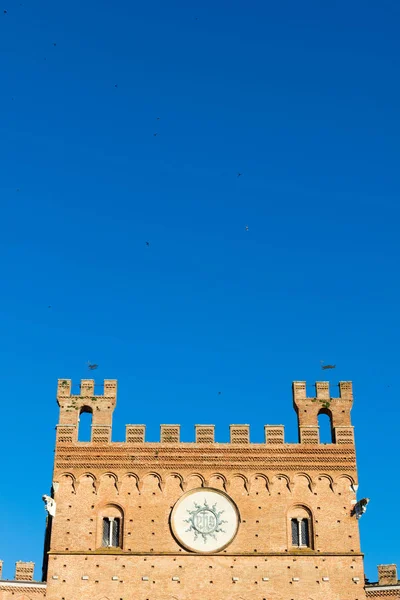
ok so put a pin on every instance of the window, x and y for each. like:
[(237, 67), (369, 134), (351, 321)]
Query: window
[(111, 532), (110, 527), (325, 427), (300, 528), (300, 533), (85, 424)]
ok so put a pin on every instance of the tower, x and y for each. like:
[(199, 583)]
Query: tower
[(177, 520)]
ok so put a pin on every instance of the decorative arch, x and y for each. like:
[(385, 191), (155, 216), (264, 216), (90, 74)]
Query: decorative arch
[(298, 477), (217, 481), (259, 483), (344, 484), (67, 477), (192, 481), (277, 483), (82, 479), (110, 511), (130, 479), (174, 480), (106, 504), (104, 479), (300, 527), (324, 477), (238, 483), (349, 478), (151, 482)]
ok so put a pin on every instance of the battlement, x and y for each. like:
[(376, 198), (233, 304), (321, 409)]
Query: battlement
[(338, 410), (23, 571), (101, 406), (86, 392), (322, 389)]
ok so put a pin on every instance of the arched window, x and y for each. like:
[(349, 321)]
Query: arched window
[(300, 528), (110, 527), (111, 532), (325, 427), (85, 424), (301, 533)]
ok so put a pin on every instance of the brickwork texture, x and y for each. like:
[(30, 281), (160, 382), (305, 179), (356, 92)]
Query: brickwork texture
[(139, 483)]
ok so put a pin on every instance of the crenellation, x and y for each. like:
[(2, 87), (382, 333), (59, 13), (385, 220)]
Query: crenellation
[(101, 406), (274, 434), (135, 434), (101, 434), (322, 390), (87, 388), (308, 409), (346, 390), (239, 434), (66, 434), (344, 435), (170, 434), (64, 388), (387, 574), (204, 434), (309, 435), (299, 390), (146, 519), (110, 388), (24, 571)]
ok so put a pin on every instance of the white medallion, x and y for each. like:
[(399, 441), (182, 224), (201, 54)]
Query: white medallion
[(205, 520)]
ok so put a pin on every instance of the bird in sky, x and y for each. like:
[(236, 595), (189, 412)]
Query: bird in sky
[(247, 228), (116, 85), (158, 118), (49, 307), (239, 174), (324, 367), (147, 243), (91, 366), (155, 134), (219, 393), (5, 12), (54, 44)]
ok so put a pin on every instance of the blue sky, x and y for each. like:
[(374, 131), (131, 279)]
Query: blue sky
[(301, 99)]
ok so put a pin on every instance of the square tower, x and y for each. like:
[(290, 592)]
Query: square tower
[(173, 520)]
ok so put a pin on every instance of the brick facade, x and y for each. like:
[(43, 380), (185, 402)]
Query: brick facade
[(387, 586), (137, 483)]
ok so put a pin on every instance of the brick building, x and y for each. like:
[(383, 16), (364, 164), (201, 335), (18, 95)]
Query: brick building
[(387, 586), (173, 521)]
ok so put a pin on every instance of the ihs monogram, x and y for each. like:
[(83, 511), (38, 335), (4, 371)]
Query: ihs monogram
[(205, 521)]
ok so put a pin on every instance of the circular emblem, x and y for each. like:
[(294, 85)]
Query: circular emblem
[(205, 520)]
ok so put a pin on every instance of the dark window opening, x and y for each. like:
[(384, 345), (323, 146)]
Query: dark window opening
[(111, 532), (301, 533)]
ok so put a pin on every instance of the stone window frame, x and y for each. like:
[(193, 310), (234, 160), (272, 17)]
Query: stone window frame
[(300, 512), (110, 511)]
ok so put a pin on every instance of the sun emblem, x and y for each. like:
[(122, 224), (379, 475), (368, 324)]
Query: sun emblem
[(205, 521)]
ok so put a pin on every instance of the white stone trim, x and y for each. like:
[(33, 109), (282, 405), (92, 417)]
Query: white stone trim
[(27, 584), (383, 588)]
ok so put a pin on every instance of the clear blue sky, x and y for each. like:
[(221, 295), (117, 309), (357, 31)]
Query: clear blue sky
[(302, 99)]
